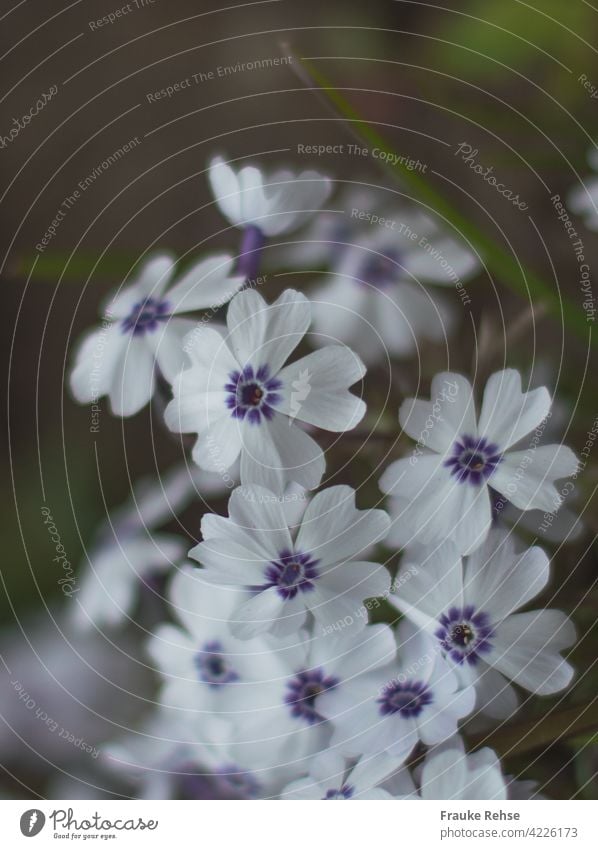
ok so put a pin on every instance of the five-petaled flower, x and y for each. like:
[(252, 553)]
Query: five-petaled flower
[(442, 492), (238, 394), (315, 570), (143, 326), (468, 606)]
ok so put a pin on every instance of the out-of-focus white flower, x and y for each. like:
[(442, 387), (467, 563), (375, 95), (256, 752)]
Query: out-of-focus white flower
[(332, 776), (449, 773), (274, 203), (469, 607), (317, 570), (583, 199), (196, 760), (142, 326), (391, 709), (442, 491), (204, 667), (129, 554), (375, 297), (241, 399)]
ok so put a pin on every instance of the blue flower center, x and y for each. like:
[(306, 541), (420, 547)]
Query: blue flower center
[(252, 394), (344, 792), (406, 698), (213, 665), (293, 572), (145, 316), (304, 689), (473, 460), (465, 634)]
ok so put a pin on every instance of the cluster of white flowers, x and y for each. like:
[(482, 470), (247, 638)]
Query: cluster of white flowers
[(274, 683)]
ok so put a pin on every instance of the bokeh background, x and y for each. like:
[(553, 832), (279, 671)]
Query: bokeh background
[(500, 75)]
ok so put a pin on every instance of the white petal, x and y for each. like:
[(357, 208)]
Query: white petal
[(333, 530), (259, 512), (315, 389), (413, 475), (257, 615), (98, 356), (199, 604), (494, 695), (171, 650), (247, 319), (288, 319), (167, 345), (340, 592), (277, 452), (209, 283), (526, 477), (207, 348), (226, 561), (442, 507), (225, 187), (150, 282), (451, 408), (429, 585), (443, 261), (508, 414), (498, 581), (526, 649), (219, 445), (338, 307), (133, 383)]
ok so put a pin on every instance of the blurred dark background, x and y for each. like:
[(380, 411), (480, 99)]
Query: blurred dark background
[(499, 75)]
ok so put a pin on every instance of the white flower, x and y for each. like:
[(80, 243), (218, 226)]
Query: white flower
[(584, 199), (316, 570), (469, 607), (193, 760), (449, 773), (128, 554), (374, 297), (443, 489), (142, 326), (238, 394), (391, 709), (332, 776), (275, 203), (267, 687)]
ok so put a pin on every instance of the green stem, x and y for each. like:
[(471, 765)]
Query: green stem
[(519, 737)]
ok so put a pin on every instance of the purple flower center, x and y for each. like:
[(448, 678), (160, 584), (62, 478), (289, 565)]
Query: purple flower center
[(291, 573), (344, 792), (473, 460), (407, 698), (465, 634), (252, 394), (304, 689), (145, 316), (380, 270), (213, 666)]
